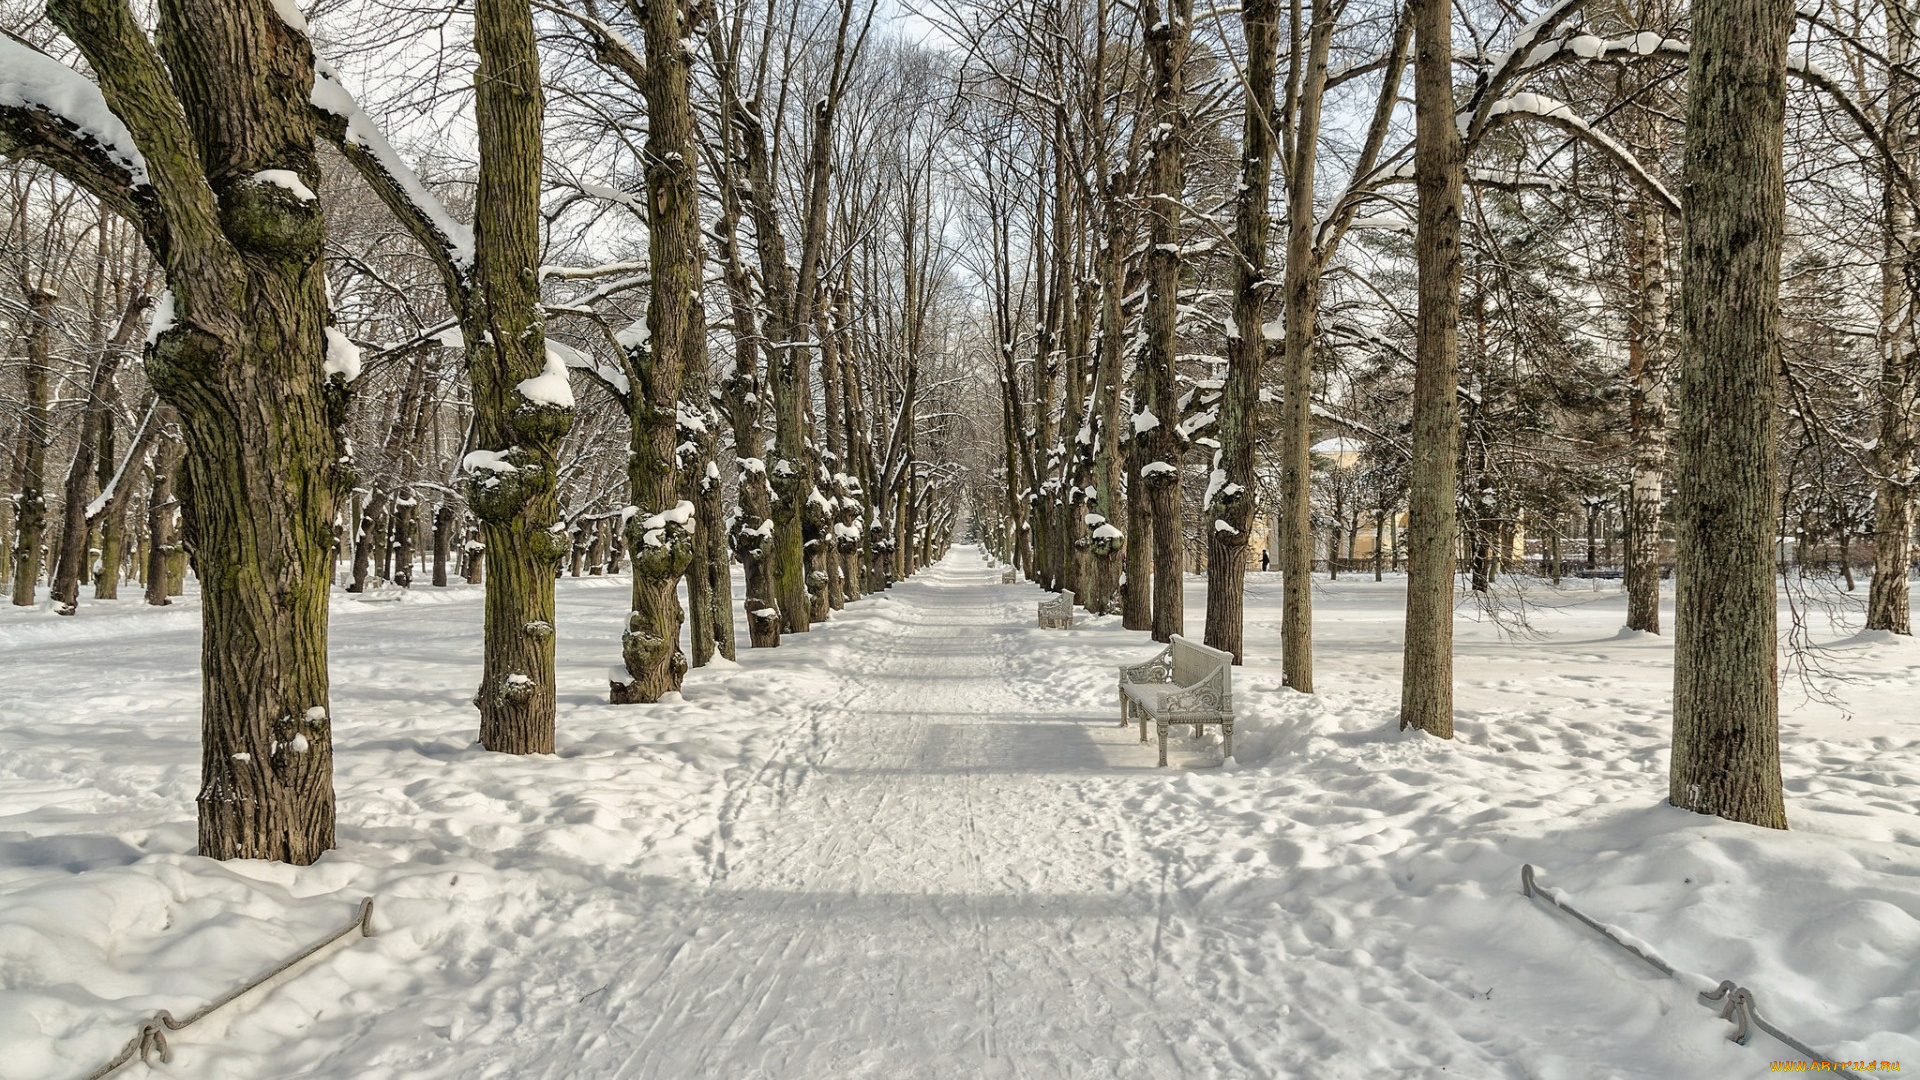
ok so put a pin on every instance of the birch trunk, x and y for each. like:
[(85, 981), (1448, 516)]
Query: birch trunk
[(1896, 471), (1648, 360)]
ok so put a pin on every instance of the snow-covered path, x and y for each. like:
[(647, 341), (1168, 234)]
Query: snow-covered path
[(915, 843), (980, 874), (946, 896)]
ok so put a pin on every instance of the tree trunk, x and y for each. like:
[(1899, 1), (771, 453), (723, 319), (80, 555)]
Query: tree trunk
[(475, 549), (1426, 686), (709, 582), (161, 507), (1379, 534), (1648, 358), (1896, 471), (30, 505), (1726, 746), (1105, 538), (444, 517), (71, 569), (404, 506), (752, 534), (1229, 513), (521, 404), (116, 496), (372, 538), (1303, 307), (1166, 47)]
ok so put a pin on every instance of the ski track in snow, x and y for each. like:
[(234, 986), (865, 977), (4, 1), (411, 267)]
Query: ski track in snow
[(915, 843)]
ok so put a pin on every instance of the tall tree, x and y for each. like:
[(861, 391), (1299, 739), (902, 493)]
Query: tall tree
[(203, 138), (1426, 677), (1897, 474), (660, 535), (1230, 503), (521, 401), (1306, 94), (75, 521), (1167, 35), (1726, 742)]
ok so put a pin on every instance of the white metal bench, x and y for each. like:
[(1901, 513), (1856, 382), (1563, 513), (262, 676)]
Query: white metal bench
[(1188, 683), (1006, 576), (1057, 613)]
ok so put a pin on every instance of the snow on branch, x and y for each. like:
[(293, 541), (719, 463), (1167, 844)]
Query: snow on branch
[(49, 110), (1519, 56), (396, 183), (610, 47), (607, 375), (582, 273), (141, 438), (1559, 114), (550, 388)]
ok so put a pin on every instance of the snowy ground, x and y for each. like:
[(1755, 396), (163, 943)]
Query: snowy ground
[(914, 844)]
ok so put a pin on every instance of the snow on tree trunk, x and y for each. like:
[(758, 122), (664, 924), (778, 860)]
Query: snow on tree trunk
[(521, 403), (1159, 477), (1229, 511), (660, 534), (444, 517), (179, 137)]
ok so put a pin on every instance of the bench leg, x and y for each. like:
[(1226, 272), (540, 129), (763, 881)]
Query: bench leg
[(1199, 731), (1124, 711), (1163, 744), (1226, 747), (1142, 714)]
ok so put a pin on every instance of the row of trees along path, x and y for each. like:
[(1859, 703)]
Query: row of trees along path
[(1115, 167)]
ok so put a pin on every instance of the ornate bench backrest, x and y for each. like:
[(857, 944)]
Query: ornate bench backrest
[(1194, 663)]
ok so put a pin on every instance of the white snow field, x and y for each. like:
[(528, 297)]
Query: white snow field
[(915, 843)]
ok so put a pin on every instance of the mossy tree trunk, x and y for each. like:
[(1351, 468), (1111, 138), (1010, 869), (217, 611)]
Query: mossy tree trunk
[(220, 96), (1726, 739), (661, 533), (502, 322)]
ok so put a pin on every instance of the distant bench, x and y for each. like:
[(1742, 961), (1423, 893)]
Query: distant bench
[(1006, 576), (1057, 613), (1188, 683)]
